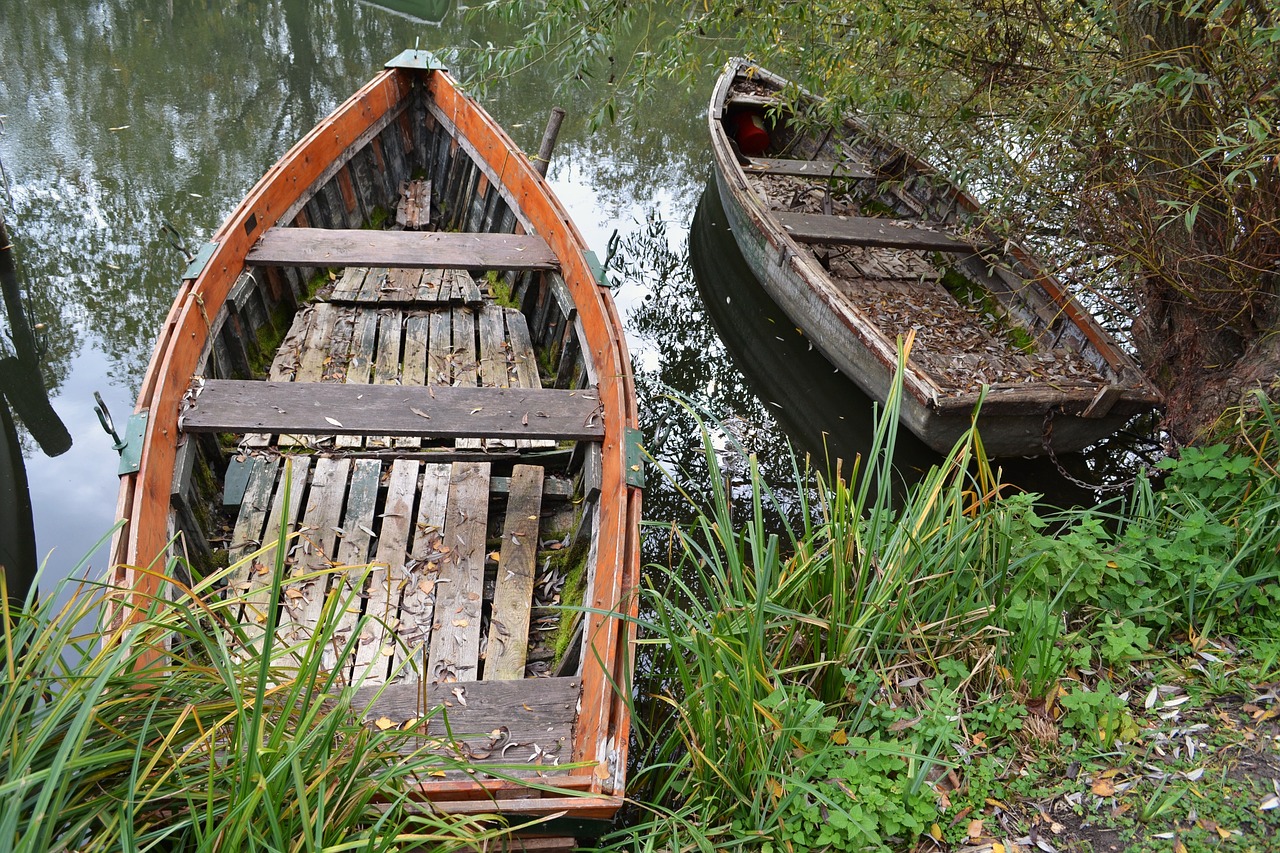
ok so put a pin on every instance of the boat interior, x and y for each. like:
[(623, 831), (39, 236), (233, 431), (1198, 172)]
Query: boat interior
[(430, 432)]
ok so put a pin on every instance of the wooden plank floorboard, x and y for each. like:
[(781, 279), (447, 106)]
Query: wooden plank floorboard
[(342, 247), (867, 231), (416, 328), (317, 554), (805, 168), (318, 408), (353, 552), (517, 564), (388, 578), (348, 286), (530, 712), (455, 630), (290, 487), (417, 605)]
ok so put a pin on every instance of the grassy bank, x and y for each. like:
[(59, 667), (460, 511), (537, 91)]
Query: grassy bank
[(968, 670)]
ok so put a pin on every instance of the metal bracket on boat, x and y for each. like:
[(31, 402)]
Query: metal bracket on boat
[(635, 457), (597, 268), (200, 261), (424, 60), (129, 447)]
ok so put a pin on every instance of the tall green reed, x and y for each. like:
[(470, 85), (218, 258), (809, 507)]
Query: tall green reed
[(764, 629)]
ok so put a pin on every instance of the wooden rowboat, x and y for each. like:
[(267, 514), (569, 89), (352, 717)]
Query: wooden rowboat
[(861, 242), (428, 390)]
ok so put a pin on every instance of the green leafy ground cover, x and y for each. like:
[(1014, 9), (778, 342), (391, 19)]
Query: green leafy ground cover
[(968, 670)]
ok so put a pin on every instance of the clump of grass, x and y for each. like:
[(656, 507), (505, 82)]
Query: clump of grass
[(173, 732)]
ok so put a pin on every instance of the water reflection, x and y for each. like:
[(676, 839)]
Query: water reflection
[(22, 395), (422, 11)]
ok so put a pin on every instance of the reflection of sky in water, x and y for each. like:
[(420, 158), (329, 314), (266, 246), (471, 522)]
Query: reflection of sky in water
[(74, 494)]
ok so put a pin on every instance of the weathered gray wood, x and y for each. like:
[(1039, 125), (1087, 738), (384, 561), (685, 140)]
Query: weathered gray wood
[(526, 362), (348, 286), (364, 341), (386, 368), (867, 231), (455, 630), (493, 354), (343, 247), (439, 355), (328, 408), (283, 516), (317, 554), (468, 290), (418, 602), (247, 535), (388, 578), (466, 364), (374, 283), (513, 596), (429, 289), (530, 711), (805, 168), (315, 349), (414, 209), (415, 362), (353, 551)]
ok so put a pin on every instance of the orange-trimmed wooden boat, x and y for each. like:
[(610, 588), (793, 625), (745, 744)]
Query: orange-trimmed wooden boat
[(403, 316), (861, 242)]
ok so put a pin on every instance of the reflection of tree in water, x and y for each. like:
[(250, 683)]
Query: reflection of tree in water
[(684, 357), (121, 114)]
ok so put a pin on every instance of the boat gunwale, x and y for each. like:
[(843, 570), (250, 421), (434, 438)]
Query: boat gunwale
[(1136, 390), (141, 545)]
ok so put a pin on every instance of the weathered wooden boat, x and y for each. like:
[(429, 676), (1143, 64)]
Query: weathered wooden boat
[(860, 242), (457, 411)]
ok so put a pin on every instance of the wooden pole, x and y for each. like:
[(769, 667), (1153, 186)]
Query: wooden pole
[(543, 160)]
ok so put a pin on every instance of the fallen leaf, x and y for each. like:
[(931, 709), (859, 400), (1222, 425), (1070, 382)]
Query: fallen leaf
[(1104, 788), (420, 413), (839, 737), (333, 421), (975, 829), (461, 623), (383, 723)]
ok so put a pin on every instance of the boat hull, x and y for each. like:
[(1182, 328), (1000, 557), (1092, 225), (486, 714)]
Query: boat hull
[(292, 290), (1013, 420)]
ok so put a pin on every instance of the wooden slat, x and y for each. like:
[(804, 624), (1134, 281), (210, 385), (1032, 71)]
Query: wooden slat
[(386, 367), (364, 341), (533, 711), (388, 577), (311, 408), (348, 286), (455, 629), (466, 361), (866, 231), (317, 553), (415, 362), (353, 551), (429, 289), (805, 168), (418, 602), (439, 355), (247, 535), (513, 596), (374, 284), (283, 515), (343, 247)]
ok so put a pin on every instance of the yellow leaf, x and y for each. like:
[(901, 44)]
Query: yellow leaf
[(383, 723), (461, 623), (775, 788), (936, 832), (495, 556), (839, 738), (1104, 788), (1179, 847), (997, 847), (602, 771)]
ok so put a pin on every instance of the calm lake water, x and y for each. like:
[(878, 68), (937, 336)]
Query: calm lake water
[(122, 116)]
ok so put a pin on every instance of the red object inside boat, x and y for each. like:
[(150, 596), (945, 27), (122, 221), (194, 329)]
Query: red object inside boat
[(748, 129)]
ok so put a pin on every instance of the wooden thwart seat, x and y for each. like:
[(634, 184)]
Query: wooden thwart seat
[(329, 408), (867, 231), (343, 247), (805, 168)]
